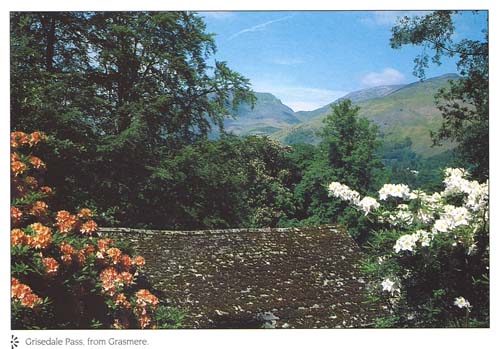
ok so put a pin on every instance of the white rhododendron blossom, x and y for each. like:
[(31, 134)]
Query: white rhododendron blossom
[(395, 190), (406, 242), (461, 302), (423, 237), (343, 192), (368, 204), (389, 286)]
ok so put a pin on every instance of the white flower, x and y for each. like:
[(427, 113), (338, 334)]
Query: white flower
[(422, 236), (441, 225), (389, 286), (405, 243), (461, 302), (368, 204), (343, 192), (395, 190)]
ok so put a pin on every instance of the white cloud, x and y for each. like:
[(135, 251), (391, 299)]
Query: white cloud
[(388, 76), (300, 98), (388, 18), (258, 27)]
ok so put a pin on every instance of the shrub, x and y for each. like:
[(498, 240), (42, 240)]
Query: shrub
[(64, 275), (428, 253)]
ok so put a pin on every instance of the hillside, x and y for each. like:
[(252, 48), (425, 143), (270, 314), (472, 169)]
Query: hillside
[(268, 115), (406, 111)]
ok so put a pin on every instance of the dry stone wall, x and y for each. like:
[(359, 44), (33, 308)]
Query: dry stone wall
[(251, 278)]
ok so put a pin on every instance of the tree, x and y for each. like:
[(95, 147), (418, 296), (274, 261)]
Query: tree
[(346, 154), (115, 92), (464, 105)]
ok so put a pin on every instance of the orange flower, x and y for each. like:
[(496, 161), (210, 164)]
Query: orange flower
[(39, 209), (109, 278), (51, 265), (89, 249), (14, 157), (66, 259), (36, 162), (80, 257), (103, 244), (144, 297), (65, 221), (121, 299), (16, 215), (31, 182), (115, 254), (14, 281), (18, 139), (31, 300), (36, 137), (46, 190), (144, 321), (43, 236), (17, 167), (126, 277), (66, 248), (126, 261), (139, 261), (85, 213), (89, 227), (23, 293), (17, 237)]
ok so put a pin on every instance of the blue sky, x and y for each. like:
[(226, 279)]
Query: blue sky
[(308, 59)]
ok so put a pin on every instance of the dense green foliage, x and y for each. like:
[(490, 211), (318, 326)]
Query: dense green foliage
[(465, 104)]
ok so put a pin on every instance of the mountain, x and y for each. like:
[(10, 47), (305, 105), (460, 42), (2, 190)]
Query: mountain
[(356, 96), (268, 116), (399, 111)]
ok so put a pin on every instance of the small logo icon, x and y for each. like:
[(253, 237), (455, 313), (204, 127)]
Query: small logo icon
[(14, 342)]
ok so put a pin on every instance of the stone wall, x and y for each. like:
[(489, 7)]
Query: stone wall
[(251, 278)]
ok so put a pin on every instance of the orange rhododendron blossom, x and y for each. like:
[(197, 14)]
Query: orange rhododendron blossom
[(66, 248), (36, 137), (66, 259), (144, 321), (31, 300), (126, 261), (115, 254), (144, 297), (36, 162), (65, 221), (17, 237), (103, 244), (51, 265), (31, 182), (16, 215), (24, 294), (14, 157), (89, 249), (39, 209), (121, 299), (109, 279), (43, 236), (46, 190), (17, 167), (80, 257), (18, 139), (85, 213), (126, 277), (88, 227), (139, 261)]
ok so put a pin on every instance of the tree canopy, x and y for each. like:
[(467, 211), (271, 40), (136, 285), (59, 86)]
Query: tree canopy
[(465, 104)]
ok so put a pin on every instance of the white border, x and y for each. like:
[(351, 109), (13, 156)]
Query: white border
[(258, 338)]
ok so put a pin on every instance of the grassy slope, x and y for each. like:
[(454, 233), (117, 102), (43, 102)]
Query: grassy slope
[(407, 112)]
